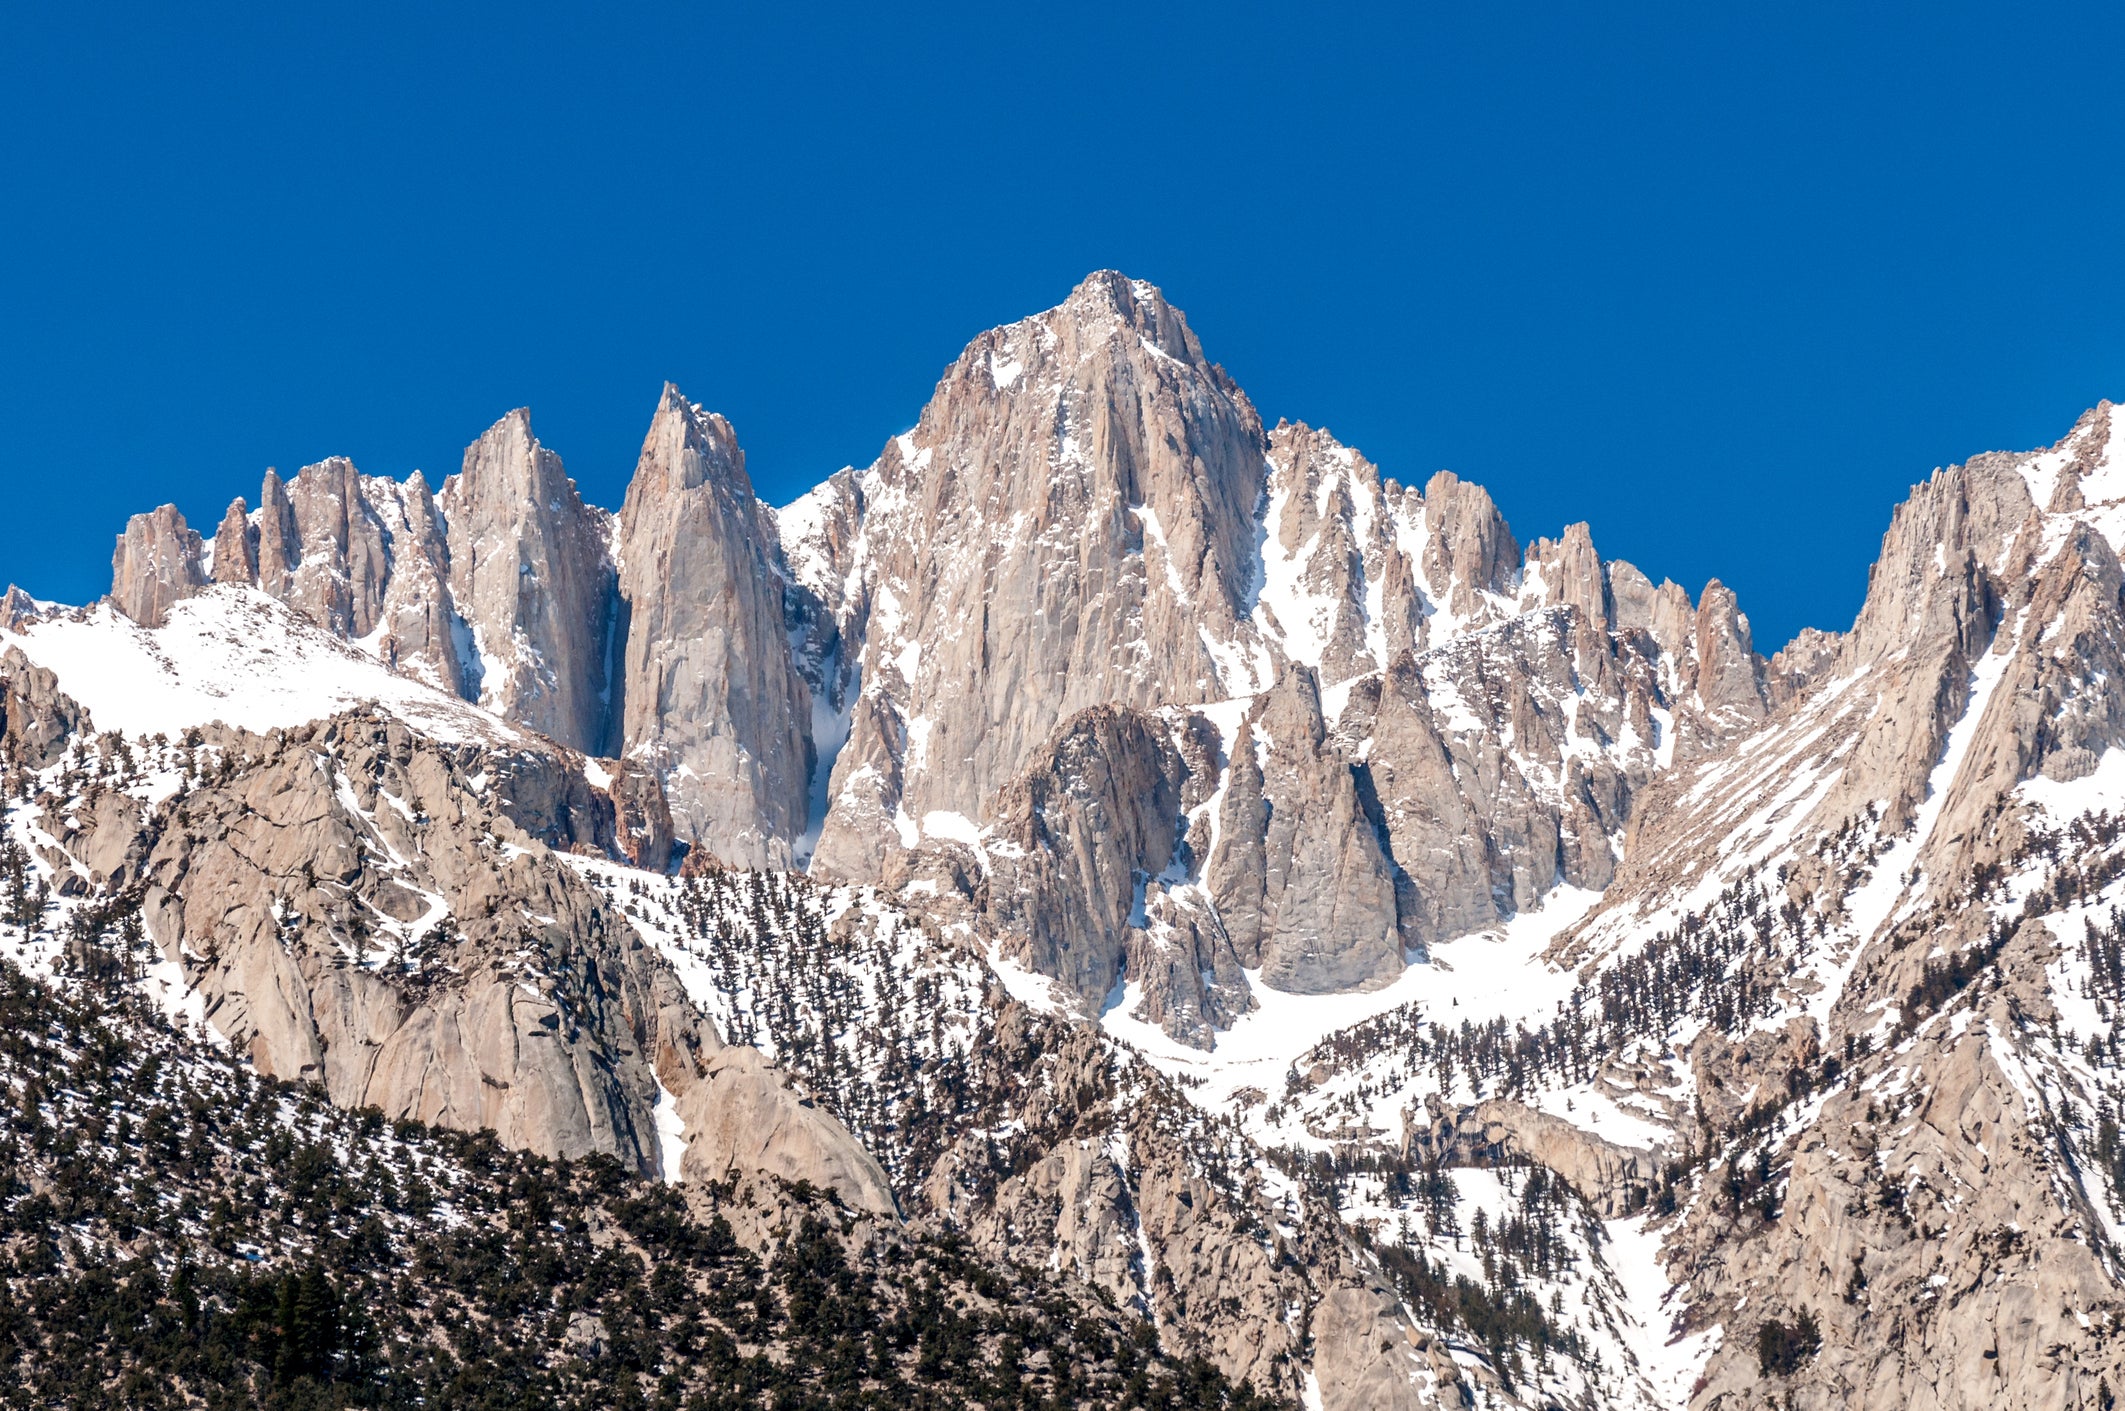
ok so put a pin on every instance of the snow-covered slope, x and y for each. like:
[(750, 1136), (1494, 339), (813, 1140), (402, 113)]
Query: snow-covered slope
[(236, 656)]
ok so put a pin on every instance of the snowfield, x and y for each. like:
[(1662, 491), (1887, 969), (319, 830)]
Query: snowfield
[(236, 656)]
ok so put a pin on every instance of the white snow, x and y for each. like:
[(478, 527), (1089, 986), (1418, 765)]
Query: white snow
[(1155, 533), (952, 827), (1028, 987), (1476, 978), (1299, 616), (1670, 1362), (2064, 800), (234, 655), (671, 1134)]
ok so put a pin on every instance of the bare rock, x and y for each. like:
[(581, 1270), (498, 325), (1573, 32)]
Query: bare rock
[(157, 562), (531, 577), (1367, 1358), (1613, 1178), (236, 546), (354, 912), (713, 700), (1078, 836), (36, 718), (1073, 512), (1300, 875), (743, 1119)]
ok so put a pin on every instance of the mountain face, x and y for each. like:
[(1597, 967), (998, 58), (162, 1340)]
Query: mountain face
[(1362, 959)]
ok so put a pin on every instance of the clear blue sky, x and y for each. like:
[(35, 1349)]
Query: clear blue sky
[(1723, 280)]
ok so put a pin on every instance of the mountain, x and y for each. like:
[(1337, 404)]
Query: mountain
[(1341, 955)]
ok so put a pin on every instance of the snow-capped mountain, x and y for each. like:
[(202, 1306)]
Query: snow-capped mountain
[(1398, 966)]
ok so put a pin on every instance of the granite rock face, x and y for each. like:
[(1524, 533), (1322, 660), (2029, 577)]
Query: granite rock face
[(36, 717), (236, 546), (532, 577), (1071, 516), (1090, 512), (158, 561), (714, 702), (1109, 704), (1939, 1008), (741, 1116), (1078, 838), (1299, 875), (353, 912), (507, 590)]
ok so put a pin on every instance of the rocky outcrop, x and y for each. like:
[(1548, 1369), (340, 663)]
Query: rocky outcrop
[(1469, 554), (1077, 839), (157, 562), (713, 700), (1368, 1358), (1615, 1179), (1191, 982), (821, 541), (17, 609), (36, 718), (1729, 675), (236, 546), (1300, 878), (1447, 873), (362, 557), (419, 630), (342, 559), (642, 826), (354, 912), (741, 1117), (279, 540), (1095, 1177), (1312, 524), (1927, 1228)]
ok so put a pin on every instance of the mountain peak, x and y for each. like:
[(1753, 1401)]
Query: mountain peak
[(1110, 297)]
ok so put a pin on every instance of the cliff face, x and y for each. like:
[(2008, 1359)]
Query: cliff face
[(1089, 513), (507, 590), (157, 562), (532, 577), (1408, 723), (714, 701)]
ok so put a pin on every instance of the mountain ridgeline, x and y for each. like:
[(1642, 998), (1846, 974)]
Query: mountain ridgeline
[(1114, 903), (1089, 517)]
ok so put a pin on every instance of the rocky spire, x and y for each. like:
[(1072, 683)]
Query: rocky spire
[(530, 574), (1299, 876), (338, 575), (157, 562), (279, 544), (713, 700), (1729, 673), (1315, 526), (418, 615), (236, 546), (1571, 574), (1469, 550)]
